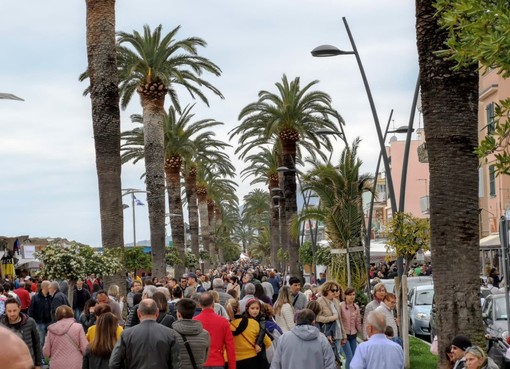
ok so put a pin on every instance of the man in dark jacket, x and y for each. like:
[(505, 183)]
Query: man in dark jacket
[(193, 338), (148, 345), (80, 297), (24, 327), (57, 299), (40, 310)]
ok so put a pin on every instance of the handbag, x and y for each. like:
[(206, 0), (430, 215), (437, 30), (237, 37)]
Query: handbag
[(433, 347)]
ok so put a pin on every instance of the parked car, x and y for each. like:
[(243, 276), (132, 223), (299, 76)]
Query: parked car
[(420, 303), (495, 321)]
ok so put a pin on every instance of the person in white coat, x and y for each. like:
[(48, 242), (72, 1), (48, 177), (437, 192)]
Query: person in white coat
[(283, 311)]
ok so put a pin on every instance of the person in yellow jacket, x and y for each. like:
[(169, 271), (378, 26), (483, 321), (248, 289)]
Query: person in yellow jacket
[(245, 331)]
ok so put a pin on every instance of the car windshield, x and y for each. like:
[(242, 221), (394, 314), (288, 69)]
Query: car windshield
[(424, 297), (500, 309)]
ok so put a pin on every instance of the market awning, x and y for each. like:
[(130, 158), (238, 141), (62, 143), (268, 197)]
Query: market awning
[(490, 242), (28, 263)]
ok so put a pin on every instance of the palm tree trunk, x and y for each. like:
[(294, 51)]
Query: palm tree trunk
[(212, 232), (450, 112), (104, 94), (190, 182), (219, 222), (204, 222), (290, 190), (274, 226), (153, 116), (176, 216)]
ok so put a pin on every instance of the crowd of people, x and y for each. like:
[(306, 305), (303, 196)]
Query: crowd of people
[(239, 316)]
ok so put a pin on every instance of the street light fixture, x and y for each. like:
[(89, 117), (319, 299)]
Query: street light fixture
[(132, 191), (329, 50)]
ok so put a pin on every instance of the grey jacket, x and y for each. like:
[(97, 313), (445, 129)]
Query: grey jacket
[(149, 345), (27, 330), (198, 339), (303, 347)]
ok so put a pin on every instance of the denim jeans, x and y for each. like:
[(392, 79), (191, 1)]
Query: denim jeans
[(349, 349), (42, 329), (77, 313)]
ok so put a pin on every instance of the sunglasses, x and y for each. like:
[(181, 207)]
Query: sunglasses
[(334, 290)]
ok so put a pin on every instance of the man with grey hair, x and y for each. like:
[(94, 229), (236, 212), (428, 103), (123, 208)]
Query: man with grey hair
[(219, 286), (57, 299), (147, 293), (378, 352), (149, 345), (249, 290), (303, 346)]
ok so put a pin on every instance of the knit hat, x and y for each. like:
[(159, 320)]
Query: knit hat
[(461, 342)]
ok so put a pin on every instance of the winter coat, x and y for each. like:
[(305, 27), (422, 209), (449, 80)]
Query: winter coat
[(490, 364), (326, 314), (65, 344), (94, 362), (146, 340), (303, 347), (40, 308), (27, 330), (285, 318), (166, 319), (57, 300), (198, 339), (87, 321)]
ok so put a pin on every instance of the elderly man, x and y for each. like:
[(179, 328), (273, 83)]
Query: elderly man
[(219, 286), (57, 299), (132, 319), (149, 345), (378, 352), (23, 326), (303, 346), (249, 290), (13, 351)]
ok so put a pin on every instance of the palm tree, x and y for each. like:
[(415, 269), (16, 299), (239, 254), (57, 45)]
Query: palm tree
[(209, 153), (104, 94), (340, 189), (256, 208), (180, 146), (152, 66), (450, 113), (291, 116), (263, 167)]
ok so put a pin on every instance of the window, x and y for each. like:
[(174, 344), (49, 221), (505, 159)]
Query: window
[(492, 180), (491, 122)]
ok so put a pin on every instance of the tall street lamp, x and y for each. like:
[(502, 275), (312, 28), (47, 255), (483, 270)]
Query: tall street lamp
[(329, 50), (134, 201)]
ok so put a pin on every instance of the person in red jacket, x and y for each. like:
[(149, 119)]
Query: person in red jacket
[(24, 297), (220, 334)]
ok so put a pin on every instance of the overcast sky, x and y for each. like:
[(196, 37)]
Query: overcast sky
[(49, 182)]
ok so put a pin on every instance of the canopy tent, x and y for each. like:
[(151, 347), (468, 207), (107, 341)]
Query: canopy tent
[(490, 242)]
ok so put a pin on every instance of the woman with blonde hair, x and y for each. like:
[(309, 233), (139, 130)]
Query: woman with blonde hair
[(65, 342), (114, 292), (98, 353), (476, 358), (283, 310), (330, 315)]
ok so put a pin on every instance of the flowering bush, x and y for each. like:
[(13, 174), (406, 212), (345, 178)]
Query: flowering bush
[(73, 262)]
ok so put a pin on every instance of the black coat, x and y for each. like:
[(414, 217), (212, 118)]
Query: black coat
[(94, 362), (27, 330), (40, 308), (57, 300)]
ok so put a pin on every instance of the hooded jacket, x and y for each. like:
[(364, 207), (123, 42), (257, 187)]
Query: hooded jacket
[(198, 339), (27, 330), (303, 347), (65, 344)]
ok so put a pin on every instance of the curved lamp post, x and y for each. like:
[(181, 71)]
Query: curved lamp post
[(6, 96), (329, 50)]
